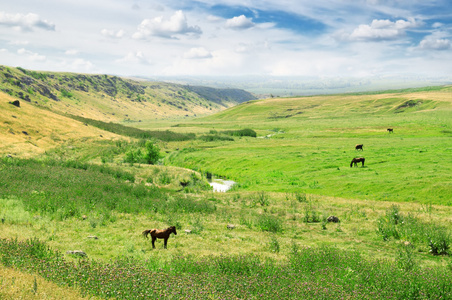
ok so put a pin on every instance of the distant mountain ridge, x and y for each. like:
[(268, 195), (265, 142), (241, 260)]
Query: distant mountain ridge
[(113, 98)]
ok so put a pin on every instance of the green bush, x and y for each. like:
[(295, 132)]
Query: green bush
[(151, 153), (439, 241), (215, 137), (241, 132), (269, 223), (65, 93)]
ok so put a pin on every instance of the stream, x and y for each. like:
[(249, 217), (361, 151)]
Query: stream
[(221, 185)]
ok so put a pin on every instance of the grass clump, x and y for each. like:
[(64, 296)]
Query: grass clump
[(267, 222), (434, 237)]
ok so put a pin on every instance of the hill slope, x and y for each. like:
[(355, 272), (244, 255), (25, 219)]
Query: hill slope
[(112, 98), (28, 130)]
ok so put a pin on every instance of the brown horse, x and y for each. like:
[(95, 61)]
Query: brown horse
[(359, 146), (161, 234), (390, 130), (356, 161)]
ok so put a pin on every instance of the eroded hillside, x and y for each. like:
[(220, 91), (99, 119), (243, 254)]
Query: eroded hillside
[(115, 99)]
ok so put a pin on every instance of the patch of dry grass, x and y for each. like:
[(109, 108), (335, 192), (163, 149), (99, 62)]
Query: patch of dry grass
[(19, 285), (27, 130)]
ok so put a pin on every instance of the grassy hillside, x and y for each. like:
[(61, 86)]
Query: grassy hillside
[(28, 130), (111, 98), (307, 144)]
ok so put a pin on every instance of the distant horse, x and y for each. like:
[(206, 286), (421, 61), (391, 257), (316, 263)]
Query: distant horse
[(390, 130), (356, 161), (359, 146), (161, 234)]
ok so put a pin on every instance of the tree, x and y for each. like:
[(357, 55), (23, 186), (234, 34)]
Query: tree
[(152, 153)]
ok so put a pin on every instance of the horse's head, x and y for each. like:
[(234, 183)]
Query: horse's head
[(173, 230)]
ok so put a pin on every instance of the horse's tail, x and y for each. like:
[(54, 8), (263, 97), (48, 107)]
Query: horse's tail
[(146, 232)]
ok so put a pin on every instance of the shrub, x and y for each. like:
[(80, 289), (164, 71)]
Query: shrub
[(65, 93), (215, 137), (387, 229), (152, 153), (439, 241), (241, 132), (301, 197), (311, 215), (269, 223), (262, 198)]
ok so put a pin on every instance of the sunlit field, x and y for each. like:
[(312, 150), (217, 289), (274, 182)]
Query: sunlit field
[(271, 235)]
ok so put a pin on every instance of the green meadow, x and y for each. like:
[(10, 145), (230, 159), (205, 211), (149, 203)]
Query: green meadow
[(393, 239), (307, 144)]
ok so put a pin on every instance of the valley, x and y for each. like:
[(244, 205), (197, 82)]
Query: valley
[(77, 162)]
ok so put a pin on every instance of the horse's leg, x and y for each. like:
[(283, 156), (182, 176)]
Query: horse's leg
[(165, 241), (153, 242)]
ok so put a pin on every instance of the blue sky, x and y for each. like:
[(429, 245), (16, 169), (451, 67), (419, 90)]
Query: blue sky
[(326, 38)]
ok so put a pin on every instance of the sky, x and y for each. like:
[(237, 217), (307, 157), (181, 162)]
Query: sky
[(324, 38)]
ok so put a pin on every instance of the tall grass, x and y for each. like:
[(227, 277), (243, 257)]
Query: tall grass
[(72, 189), (310, 273), (436, 237)]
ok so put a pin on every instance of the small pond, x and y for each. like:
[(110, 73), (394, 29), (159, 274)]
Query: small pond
[(221, 185)]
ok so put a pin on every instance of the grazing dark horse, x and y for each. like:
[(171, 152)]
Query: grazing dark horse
[(359, 146), (161, 234), (390, 130), (356, 161)]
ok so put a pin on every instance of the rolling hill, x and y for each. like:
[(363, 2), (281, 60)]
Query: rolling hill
[(115, 99)]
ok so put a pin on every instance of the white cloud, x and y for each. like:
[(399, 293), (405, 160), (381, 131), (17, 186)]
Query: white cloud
[(25, 22), (112, 33), (135, 58), (71, 52), (383, 30), (31, 55), (176, 25), (81, 64), (212, 18), (435, 44), (198, 53), (222, 62), (19, 43), (437, 25), (240, 23)]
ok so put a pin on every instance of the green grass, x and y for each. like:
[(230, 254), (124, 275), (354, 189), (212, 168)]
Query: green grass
[(309, 273), (279, 244), (72, 189), (393, 240), (310, 142)]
